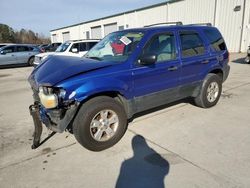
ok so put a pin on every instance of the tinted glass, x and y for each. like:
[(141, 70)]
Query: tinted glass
[(91, 44), (10, 49), (215, 39), (191, 43), (82, 47), (22, 48), (163, 46)]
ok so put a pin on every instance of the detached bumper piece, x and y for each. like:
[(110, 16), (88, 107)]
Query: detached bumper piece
[(34, 112)]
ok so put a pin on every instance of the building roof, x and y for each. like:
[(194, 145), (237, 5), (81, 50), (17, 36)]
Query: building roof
[(127, 12)]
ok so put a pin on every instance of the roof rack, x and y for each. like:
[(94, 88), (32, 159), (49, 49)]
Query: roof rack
[(207, 24), (165, 23)]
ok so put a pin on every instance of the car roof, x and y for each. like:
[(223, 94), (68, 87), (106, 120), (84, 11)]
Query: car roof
[(28, 45)]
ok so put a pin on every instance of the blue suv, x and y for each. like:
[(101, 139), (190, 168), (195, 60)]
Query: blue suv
[(93, 97)]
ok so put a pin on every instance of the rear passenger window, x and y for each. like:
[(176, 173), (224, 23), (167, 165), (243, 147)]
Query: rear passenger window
[(83, 47), (91, 44), (163, 46), (215, 39), (191, 44), (22, 48)]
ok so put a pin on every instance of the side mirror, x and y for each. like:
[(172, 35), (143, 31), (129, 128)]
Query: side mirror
[(2, 52), (74, 50), (147, 59)]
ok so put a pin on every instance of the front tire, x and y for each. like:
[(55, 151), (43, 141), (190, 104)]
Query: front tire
[(210, 91), (100, 123)]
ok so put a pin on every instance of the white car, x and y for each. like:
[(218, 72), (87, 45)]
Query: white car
[(70, 48)]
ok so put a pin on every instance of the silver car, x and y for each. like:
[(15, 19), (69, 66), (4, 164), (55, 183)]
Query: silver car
[(18, 54)]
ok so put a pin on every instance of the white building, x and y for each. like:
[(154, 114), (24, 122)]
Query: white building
[(232, 17)]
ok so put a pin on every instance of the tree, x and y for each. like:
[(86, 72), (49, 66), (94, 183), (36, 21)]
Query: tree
[(6, 33)]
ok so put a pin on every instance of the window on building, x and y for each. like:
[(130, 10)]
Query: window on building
[(163, 46), (191, 44), (120, 28), (87, 35)]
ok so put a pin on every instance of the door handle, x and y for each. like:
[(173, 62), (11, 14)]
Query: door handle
[(205, 62), (172, 68)]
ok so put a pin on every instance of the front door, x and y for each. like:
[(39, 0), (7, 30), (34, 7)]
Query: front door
[(8, 56), (157, 84)]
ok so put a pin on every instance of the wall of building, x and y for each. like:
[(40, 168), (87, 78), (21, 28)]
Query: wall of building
[(234, 24)]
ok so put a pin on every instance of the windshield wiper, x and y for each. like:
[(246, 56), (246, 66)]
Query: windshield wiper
[(94, 57)]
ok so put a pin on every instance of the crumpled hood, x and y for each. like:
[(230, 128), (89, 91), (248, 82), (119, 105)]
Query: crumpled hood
[(58, 68)]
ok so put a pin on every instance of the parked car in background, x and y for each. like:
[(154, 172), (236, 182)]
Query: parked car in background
[(52, 47), (93, 97), (247, 60), (70, 48), (18, 54), (43, 46)]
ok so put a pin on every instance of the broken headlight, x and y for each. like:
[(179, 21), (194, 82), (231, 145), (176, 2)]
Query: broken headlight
[(49, 96)]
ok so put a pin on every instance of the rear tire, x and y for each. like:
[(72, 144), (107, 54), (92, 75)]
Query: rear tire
[(210, 91), (100, 123), (31, 61)]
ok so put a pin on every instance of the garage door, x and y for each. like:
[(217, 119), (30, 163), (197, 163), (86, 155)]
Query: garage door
[(109, 28), (66, 36), (96, 32)]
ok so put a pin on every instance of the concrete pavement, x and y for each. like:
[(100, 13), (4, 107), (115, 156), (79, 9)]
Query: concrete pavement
[(180, 145)]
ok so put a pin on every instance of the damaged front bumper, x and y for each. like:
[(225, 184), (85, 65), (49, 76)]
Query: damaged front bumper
[(56, 120)]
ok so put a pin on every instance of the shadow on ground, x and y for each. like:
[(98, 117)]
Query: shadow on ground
[(145, 169), (239, 61)]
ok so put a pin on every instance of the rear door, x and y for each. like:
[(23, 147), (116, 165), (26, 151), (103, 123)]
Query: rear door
[(157, 84), (22, 54), (194, 57), (8, 56)]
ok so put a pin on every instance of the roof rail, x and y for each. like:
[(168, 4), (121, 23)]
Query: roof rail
[(207, 24), (82, 39), (165, 23)]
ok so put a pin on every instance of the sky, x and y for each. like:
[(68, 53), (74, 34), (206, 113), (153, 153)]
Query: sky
[(41, 16)]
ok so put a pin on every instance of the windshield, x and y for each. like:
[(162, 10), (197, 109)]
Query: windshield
[(116, 46), (63, 47)]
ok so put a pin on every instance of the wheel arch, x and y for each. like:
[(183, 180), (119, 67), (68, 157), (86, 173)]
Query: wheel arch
[(117, 95), (218, 72)]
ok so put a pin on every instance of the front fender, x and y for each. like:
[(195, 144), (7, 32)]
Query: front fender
[(100, 85)]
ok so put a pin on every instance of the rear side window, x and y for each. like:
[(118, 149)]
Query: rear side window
[(83, 47), (91, 44), (22, 48), (191, 44), (215, 39)]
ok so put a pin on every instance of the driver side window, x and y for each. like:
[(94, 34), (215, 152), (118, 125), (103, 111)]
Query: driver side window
[(163, 46)]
